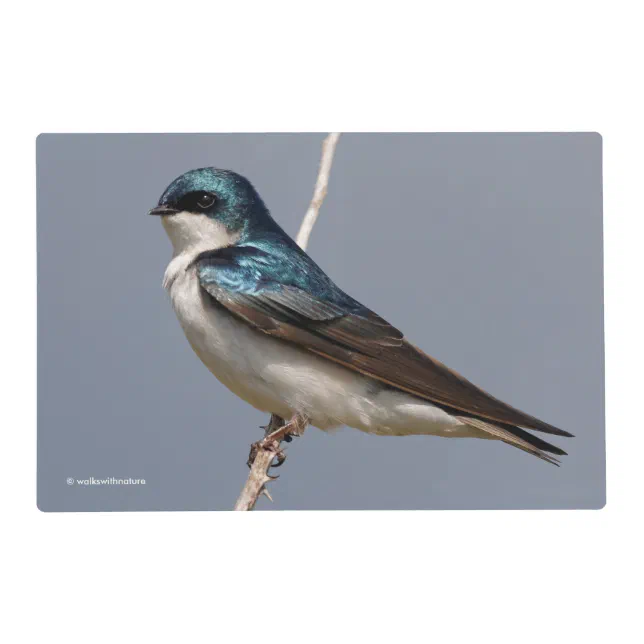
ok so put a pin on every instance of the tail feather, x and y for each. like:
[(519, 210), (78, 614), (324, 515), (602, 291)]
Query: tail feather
[(517, 437), (536, 441)]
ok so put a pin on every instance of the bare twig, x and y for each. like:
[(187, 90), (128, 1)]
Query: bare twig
[(262, 454), (258, 476), (328, 150), (265, 451)]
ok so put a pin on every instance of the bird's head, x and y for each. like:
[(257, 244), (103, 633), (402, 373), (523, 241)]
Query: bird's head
[(210, 208)]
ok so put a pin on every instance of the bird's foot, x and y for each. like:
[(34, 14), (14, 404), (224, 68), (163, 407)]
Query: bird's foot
[(279, 454), (275, 432), (280, 457)]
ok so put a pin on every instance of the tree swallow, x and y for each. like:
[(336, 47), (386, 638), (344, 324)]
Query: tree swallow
[(272, 327)]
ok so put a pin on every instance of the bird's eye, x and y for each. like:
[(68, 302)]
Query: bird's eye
[(205, 200)]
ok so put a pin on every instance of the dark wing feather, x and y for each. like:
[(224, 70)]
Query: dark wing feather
[(366, 343)]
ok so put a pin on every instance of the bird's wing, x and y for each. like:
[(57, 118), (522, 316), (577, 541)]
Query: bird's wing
[(340, 329)]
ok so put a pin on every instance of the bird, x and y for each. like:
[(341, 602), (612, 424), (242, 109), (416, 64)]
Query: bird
[(274, 328)]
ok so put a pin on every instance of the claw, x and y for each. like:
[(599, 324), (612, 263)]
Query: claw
[(280, 457)]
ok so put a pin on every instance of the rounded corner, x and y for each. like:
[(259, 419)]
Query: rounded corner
[(40, 507)]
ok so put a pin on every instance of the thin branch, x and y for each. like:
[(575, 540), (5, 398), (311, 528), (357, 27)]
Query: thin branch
[(267, 450), (258, 476), (262, 455), (321, 185)]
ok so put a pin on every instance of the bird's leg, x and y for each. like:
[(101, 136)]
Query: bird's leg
[(275, 423), (277, 431), (294, 428), (297, 425)]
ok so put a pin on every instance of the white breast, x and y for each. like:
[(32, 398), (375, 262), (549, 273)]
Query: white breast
[(268, 373)]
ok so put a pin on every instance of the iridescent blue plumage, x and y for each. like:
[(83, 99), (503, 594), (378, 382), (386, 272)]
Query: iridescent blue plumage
[(257, 266)]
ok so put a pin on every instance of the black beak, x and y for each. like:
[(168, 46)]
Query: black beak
[(162, 211)]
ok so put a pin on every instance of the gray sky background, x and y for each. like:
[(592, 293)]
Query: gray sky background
[(485, 249)]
